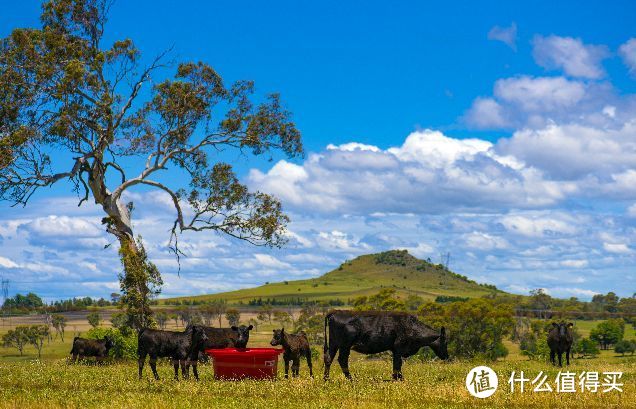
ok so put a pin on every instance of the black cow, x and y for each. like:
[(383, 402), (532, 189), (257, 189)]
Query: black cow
[(218, 338), (179, 346), (560, 341), (371, 332), (98, 348), (234, 337), (296, 346)]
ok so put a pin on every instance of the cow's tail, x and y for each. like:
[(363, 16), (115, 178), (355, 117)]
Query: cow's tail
[(326, 343), (73, 347)]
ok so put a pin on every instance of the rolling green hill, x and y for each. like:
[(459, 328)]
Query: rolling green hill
[(364, 275)]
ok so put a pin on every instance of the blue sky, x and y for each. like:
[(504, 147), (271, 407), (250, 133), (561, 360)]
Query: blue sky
[(502, 133)]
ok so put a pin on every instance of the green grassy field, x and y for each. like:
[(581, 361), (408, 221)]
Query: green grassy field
[(361, 276), (431, 384), (51, 383)]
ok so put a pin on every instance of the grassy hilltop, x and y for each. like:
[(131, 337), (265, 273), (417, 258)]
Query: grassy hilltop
[(365, 275)]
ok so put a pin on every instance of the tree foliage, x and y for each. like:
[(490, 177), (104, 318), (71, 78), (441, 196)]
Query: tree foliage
[(16, 338), (124, 343), (233, 316), (474, 328), (93, 319), (29, 302), (59, 324), (608, 332)]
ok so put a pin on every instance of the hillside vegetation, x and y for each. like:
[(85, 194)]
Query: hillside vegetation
[(365, 275)]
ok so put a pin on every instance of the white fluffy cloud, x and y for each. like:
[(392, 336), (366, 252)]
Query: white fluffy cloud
[(570, 55), (574, 151), (430, 172)]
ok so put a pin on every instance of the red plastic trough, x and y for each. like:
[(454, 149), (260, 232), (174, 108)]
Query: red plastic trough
[(241, 363)]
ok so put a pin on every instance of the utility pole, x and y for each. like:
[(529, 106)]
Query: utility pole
[(5, 295)]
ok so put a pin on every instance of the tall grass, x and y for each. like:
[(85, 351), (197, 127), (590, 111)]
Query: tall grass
[(430, 384)]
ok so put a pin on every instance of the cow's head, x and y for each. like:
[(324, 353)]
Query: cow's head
[(198, 335), (277, 339), (439, 346), (562, 328), (243, 335), (109, 342)]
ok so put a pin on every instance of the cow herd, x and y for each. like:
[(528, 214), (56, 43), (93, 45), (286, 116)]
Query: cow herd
[(366, 332)]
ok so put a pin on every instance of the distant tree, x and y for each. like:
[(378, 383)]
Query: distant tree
[(233, 316), (175, 317), (624, 346), (475, 328), (282, 317), (37, 334), (608, 332), (385, 300), (587, 347), (59, 323), (218, 309), (608, 302), (16, 338), (162, 319), (540, 301), (208, 314), (93, 319), (185, 315), (268, 311), (29, 301), (413, 302), (115, 297), (311, 322)]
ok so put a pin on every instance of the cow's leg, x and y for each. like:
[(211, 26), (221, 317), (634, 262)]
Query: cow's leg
[(329, 356), (185, 369), (560, 356), (153, 366), (308, 356), (286, 367), (195, 371), (175, 364), (74, 359), (567, 356), (343, 360), (397, 366), (296, 366), (140, 363), (552, 354)]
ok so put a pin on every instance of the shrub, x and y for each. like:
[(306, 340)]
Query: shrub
[(125, 345)]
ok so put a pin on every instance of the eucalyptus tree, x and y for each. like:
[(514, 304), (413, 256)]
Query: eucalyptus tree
[(75, 109)]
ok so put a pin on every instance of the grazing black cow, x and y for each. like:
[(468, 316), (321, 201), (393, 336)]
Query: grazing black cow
[(295, 346), (179, 346), (218, 338), (234, 337), (560, 341), (98, 348), (371, 332)]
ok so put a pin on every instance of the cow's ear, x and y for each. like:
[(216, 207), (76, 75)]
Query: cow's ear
[(250, 327), (554, 324), (234, 328), (442, 332), (282, 330), (570, 325)]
